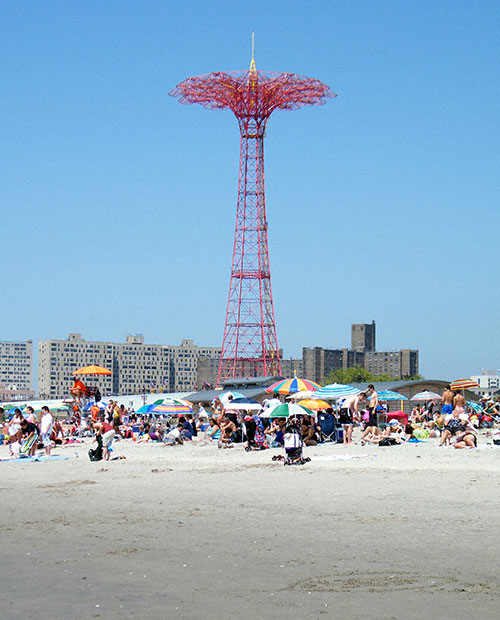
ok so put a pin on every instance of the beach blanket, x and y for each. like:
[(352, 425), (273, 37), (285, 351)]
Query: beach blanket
[(28, 459), (342, 457)]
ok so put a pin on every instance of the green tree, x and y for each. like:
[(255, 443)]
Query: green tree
[(356, 374)]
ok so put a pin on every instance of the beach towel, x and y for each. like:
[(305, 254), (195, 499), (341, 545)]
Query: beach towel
[(32, 459)]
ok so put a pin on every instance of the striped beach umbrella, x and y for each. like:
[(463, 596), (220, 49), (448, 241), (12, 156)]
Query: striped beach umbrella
[(171, 407), (463, 384), (289, 386), (390, 395), (426, 395), (336, 390)]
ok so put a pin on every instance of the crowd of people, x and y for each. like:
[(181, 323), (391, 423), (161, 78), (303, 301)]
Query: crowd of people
[(452, 422)]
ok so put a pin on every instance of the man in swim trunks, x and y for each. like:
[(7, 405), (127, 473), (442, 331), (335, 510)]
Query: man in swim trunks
[(372, 425), (372, 405), (447, 401), (349, 413)]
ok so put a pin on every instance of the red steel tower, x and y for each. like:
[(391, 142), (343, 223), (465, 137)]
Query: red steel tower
[(250, 345)]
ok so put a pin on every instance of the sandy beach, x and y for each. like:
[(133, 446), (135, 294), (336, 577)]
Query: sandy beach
[(194, 532)]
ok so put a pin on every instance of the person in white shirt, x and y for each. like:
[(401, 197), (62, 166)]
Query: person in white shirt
[(46, 423)]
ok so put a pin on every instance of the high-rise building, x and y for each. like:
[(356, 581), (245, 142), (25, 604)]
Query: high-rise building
[(363, 337), (16, 366), (136, 367), (318, 362)]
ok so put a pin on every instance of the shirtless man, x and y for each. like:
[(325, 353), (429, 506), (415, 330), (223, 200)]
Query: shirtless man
[(349, 414), (372, 408), (447, 401)]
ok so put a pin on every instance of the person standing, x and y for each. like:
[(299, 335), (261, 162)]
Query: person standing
[(46, 423), (371, 425), (459, 402), (447, 401), (349, 413), (372, 405)]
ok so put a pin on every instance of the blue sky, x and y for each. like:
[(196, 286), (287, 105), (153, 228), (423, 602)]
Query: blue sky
[(118, 203)]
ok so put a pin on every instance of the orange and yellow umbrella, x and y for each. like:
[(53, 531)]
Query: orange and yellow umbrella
[(92, 370)]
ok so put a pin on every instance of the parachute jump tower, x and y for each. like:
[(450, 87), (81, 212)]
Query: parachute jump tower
[(250, 345)]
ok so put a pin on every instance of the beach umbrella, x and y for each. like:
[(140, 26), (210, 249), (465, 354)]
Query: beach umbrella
[(144, 409), (463, 384), (168, 401), (475, 406), (314, 404), (227, 396), (336, 390), (92, 370), (301, 395), (289, 386), (286, 411), (244, 404), (171, 407), (390, 395), (426, 395)]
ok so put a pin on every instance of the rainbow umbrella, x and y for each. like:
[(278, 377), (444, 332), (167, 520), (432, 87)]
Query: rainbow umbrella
[(463, 384), (289, 386), (171, 407)]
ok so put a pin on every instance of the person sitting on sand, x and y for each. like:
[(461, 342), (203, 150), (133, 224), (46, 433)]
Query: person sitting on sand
[(309, 436), (370, 435), (57, 434), (275, 432), (77, 390), (174, 436), (467, 439), (227, 430), (187, 428), (454, 424)]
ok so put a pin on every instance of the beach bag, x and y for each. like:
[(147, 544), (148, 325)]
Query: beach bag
[(387, 441), (96, 453), (292, 440)]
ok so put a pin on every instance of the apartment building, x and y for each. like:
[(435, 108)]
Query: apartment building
[(489, 383), (16, 366), (136, 367), (318, 362)]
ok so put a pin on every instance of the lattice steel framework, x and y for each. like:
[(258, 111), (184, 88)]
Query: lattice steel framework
[(250, 344)]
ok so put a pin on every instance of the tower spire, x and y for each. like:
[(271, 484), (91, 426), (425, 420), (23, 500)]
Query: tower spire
[(253, 68)]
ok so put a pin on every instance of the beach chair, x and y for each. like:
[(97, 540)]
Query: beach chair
[(328, 427)]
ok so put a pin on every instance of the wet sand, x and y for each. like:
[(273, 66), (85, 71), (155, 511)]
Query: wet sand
[(194, 532)]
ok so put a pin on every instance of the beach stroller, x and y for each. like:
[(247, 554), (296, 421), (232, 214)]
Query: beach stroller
[(293, 443)]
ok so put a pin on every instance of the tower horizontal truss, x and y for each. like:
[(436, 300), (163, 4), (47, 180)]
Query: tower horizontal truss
[(250, 344)]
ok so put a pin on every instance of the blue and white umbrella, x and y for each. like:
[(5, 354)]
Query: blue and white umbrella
[(333, 391), (390, 395)]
